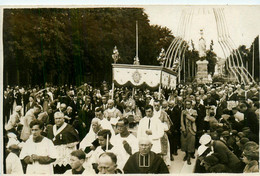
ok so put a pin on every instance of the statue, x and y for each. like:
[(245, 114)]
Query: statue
[(161, 59), (202, 63), (202, 45), (115, 55), (216, 69)]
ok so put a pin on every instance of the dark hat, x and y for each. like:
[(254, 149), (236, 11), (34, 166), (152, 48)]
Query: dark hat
[(246, 129), (211, 160), (218, 168), (226, 111), (87, 96), (241, 97), (251, 146), (225, 133), (214, 135), (234, 132), (14, 148), (243, 141), (255, 98), (220, 130), (240, 134)]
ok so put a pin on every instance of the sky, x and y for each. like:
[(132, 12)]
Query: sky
[(242, 22)]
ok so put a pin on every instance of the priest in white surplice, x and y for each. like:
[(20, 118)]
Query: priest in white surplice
[(38, 152), (126, 142), (112, 114), (152, 128), (160, 114), (90, 141), (105, 124), (97, 124)]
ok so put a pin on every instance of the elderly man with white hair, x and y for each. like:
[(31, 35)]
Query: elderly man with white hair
[(112, 114), (145, 161), (65, 139), (90, 141)]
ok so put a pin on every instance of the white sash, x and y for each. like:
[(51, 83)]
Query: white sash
[(55, 131)]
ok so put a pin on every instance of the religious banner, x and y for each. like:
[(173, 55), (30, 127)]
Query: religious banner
[(143, 76)]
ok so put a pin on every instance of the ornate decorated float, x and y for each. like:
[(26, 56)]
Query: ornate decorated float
[(142, 76)]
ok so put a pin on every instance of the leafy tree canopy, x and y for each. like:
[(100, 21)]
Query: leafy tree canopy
[(71, 46)]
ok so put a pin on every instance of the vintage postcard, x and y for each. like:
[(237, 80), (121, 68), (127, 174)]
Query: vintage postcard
[(129, 89)]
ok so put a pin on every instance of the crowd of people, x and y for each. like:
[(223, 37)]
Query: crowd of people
[(75, 130)]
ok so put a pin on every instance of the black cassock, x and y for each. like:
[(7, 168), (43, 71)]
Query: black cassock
[(151, 163), (66, 136)]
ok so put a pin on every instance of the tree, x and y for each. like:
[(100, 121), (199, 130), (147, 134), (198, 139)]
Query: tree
[(71, 46)]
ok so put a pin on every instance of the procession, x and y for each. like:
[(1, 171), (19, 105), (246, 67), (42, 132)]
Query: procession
[(175, 116)]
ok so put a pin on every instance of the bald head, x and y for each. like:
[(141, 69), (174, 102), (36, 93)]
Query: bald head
[(145, 140), (110, 103), (145, 146), (95, 121), (107, 163)]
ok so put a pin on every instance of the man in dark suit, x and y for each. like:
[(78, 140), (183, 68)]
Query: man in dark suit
[(25, 100), (140, 103), (200, 123), (17, 96), (231, 95), (173, 145), (209, 101), (6, 106), (176, 120), (104, 103), (30, 105), (250, 119), (75, 105)]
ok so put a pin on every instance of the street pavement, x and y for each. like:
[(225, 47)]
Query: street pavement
[(179, 166)]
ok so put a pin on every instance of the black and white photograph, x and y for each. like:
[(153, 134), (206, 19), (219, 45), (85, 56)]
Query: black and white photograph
[(130, 89)]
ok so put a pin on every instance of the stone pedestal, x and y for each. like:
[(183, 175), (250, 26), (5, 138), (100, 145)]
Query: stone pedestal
[(202, 72)]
